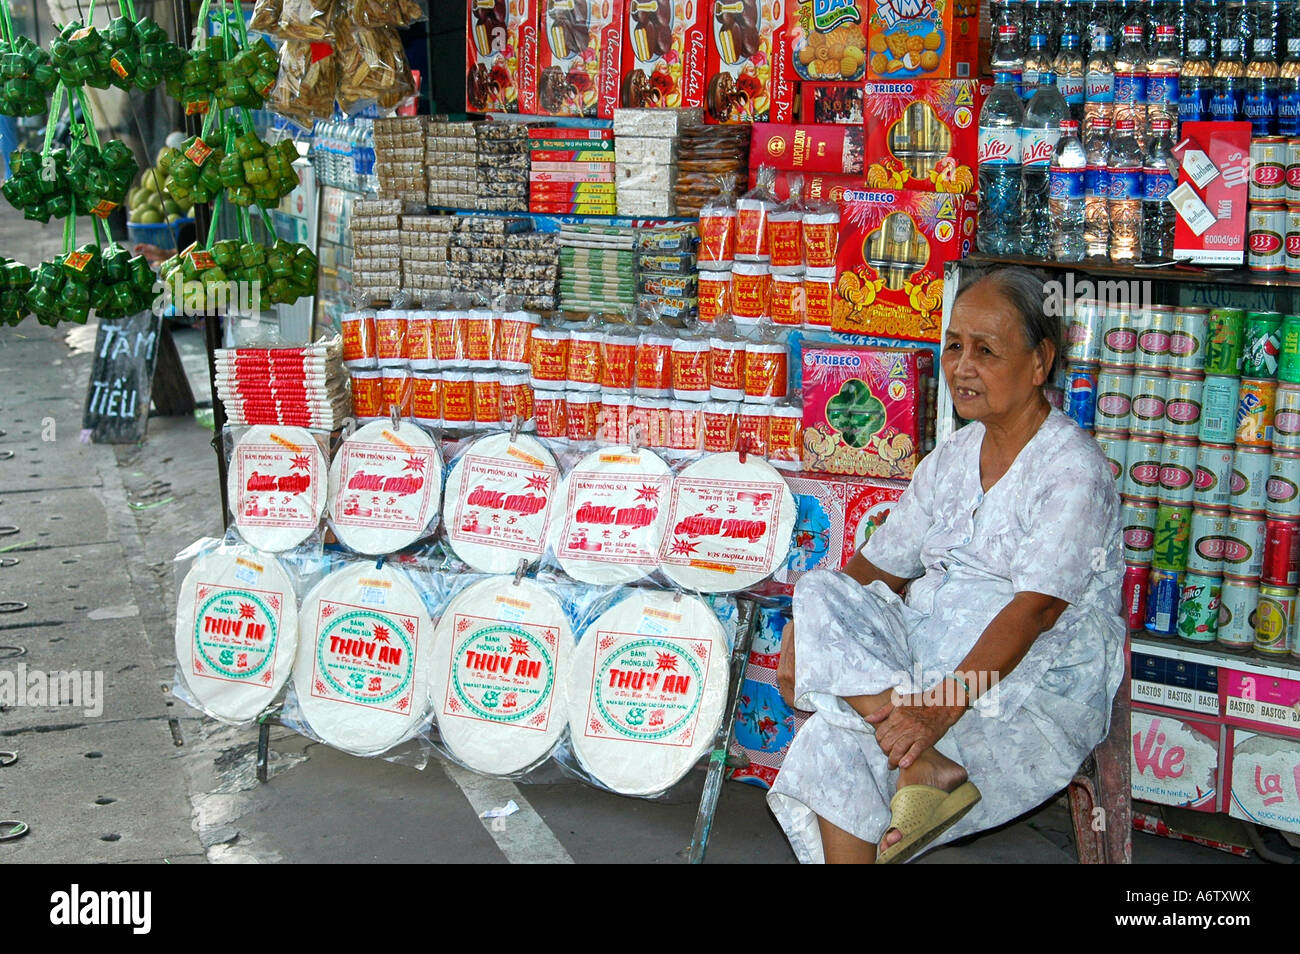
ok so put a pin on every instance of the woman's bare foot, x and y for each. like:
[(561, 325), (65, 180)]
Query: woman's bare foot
[(930, 768)]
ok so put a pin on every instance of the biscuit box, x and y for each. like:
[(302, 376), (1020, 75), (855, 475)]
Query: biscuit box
[(579, 57), (924, 134), (747, 78), (501, 46), (865, 409), (893, 248), (907, 39), (806, 147), (664, 54), (828, 39)]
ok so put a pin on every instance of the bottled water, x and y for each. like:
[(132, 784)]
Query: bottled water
[(1038, 138), (1164, 63), (1068, 68), (1099, 82), (1008, 53), (1037, 63), (1001, 117), (1124, 194), (1228, 102), (1069, 166), (1158, 180), (1262, 71), (1288, 94), (1195, 85), (1131, 74), (1096, 191)]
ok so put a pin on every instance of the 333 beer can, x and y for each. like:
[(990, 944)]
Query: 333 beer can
[(1114, 399), (1213, 481), (1283, 488), (1139, 530), (1208, 534), (1243, 548), (1250, 479), (1238, 603), (1183, 407), (1147, 414)]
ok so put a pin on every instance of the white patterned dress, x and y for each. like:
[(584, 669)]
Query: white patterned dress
[(1050, 525)]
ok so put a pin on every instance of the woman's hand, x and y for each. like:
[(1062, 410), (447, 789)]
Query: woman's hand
[(785, 668), (906, 726)]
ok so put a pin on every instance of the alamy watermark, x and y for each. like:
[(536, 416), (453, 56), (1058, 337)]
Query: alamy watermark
[(36, 689), (945, 690), (1061, 297), (196, 299)]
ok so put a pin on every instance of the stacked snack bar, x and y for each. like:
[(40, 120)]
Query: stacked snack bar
[(425, 240), (303, 387), (666, 276), (597, 268), (477, 253), (572, 171), (451, 161), (647, 158), (376, 247), (502, 167), (531, 269), (399, 158), (703, 154)]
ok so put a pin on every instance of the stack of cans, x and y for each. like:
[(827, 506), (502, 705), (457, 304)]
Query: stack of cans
[(1273, 213)]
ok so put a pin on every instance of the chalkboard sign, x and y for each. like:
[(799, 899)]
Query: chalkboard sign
[(117, 400)]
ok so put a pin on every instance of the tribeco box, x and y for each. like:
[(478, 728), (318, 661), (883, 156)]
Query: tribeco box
[(865, 409), (805, 147), (747, 78), (501, 49), (907, 39), (664, 54), (893, 248), (924, 134), (1175, 761), (1265, 780), (579, 57)]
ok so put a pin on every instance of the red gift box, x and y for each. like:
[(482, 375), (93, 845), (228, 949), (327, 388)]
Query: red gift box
[(924, 134), (664, 54), (579, 57), (806, 147), (500, 48)]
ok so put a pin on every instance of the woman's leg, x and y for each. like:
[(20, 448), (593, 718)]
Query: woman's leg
[(841, 848)]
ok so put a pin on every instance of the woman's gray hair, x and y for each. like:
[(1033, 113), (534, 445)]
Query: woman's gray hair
[(1022, 289)]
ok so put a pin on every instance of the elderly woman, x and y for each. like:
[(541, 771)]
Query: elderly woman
[(963, 664)]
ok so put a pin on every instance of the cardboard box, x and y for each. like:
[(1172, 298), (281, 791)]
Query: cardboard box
[(924, 134), (893, 248), (806, 147), (1256, 700), (665, 50), (1265, 780), (839, 104), (1176, 761), (1211, 226), (500, 49), (864, 409), (747, 78), (909, 40), (828, 39), (579, 57), (1161, 678)]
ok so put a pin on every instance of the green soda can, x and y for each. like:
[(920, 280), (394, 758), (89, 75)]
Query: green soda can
[(1288, 360), (1223, 341), (1173, 533), (1260, 344), (1198, 608)]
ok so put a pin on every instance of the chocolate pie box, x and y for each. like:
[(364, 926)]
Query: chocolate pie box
[(579, 59), (665, 48), (501, 45), (748, 77)]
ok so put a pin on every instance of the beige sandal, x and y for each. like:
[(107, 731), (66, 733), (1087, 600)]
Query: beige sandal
[(922, 813)]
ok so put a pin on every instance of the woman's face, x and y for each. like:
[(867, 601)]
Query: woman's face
[(992, 373)]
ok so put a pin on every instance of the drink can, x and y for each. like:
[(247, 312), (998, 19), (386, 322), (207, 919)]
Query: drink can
[(1249, 479), (1281, 553), (1147, 412), (1083, 336), (1114, 399), (1255, 411), (1293, 170), (1172, 536), (1266, 238), (1238, 603), (1183, 407), (1292, 256), (1177, 472), (1114, 444), (1154, 327), (1163, 590), (1268, 157), (1118, 338), (1213, 480), (1136, 576), (1081, 395), (1198, 608), (1274, 620), (1209, 530), (1219, 396), (1142, 467), (1243, 548), (1223, 341), (1260, 344), (1139, 529), (1286, 417), (1282, 492), (1288, 359), (1187, 341)]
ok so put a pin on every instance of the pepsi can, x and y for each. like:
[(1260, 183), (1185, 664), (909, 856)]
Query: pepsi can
[(1081, 395)]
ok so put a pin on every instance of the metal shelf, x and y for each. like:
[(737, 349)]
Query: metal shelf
[(1211, 655), (1194, 274)]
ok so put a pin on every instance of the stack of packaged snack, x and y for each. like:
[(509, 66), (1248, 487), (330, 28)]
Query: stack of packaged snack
[(304, 387), (647, 158), (399, 158), (703, 154), (451, 165), (424, 241), (572, 171), (666, 279), (376, 247), (477, 254), (597, 268), (532, 269), (502, 167)]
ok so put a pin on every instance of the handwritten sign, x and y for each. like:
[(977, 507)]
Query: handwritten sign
[(121, 379)]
